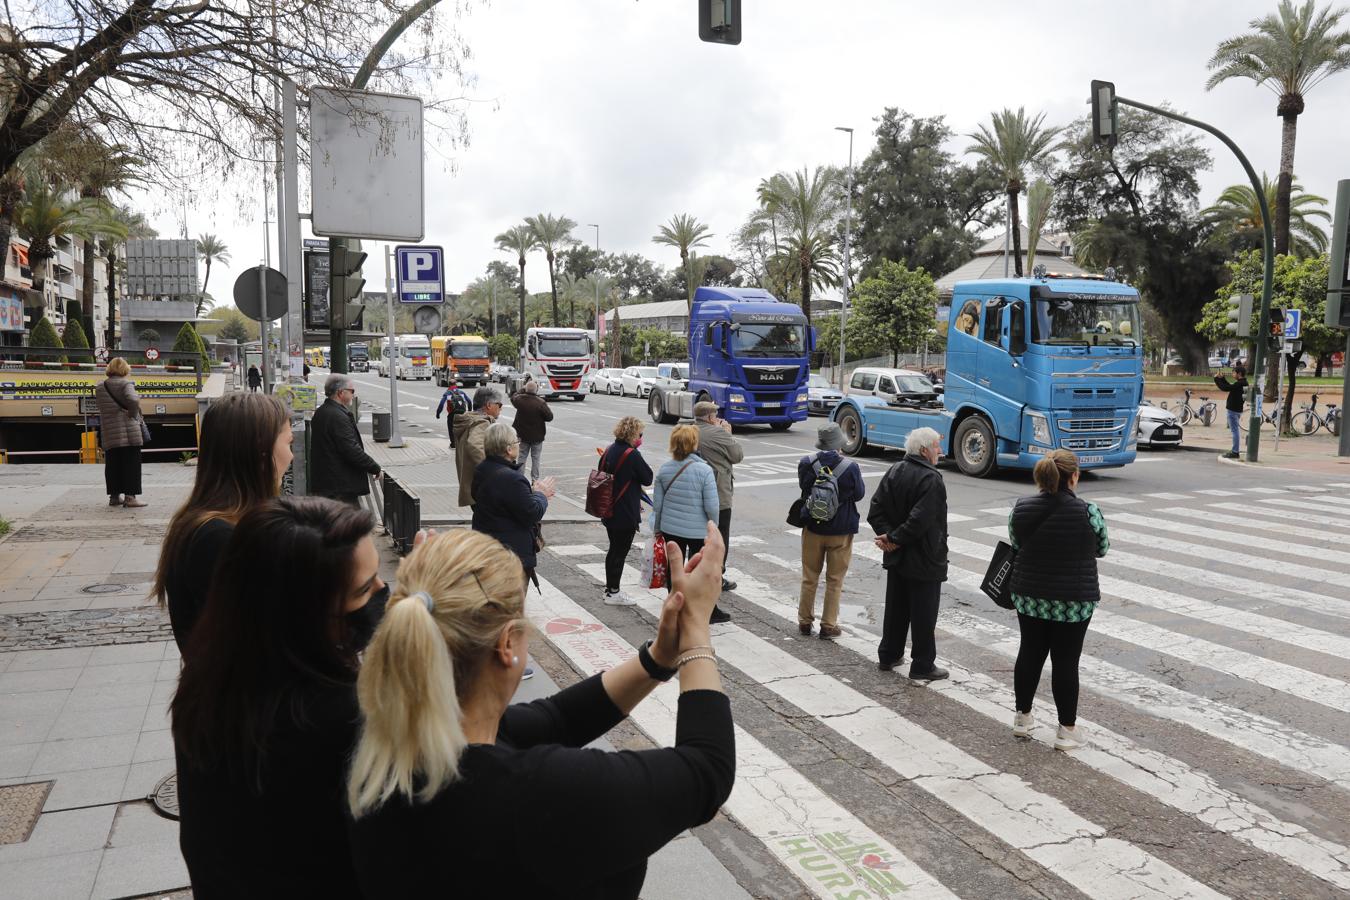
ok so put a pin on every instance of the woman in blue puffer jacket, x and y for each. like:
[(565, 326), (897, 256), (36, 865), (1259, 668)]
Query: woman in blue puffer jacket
[(685, 500)]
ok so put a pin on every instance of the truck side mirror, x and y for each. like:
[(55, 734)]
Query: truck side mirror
[(812, 338)]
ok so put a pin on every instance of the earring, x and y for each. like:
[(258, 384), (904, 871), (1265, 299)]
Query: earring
[(515, 661)]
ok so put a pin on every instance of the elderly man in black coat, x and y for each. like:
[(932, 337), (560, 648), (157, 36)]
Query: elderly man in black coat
[(909, 515), (338, 464)]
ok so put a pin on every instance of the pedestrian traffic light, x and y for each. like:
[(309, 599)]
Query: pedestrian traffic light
[(1240, 315), (1104, 113), (719, 21), (1276, 335)]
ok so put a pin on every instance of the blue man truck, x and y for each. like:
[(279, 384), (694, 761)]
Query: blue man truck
[(1033, 364), (748, 353)]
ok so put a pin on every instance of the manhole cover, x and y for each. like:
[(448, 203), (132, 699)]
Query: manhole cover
[(104, 589), (165, 796), (20, 806)]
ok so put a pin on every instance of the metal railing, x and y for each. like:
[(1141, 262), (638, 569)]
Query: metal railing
[(402, 513)]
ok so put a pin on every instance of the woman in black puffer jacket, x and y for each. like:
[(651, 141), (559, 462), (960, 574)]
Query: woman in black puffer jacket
[(508, 507)]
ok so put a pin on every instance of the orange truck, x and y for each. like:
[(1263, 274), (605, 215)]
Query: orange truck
[(462, 356)]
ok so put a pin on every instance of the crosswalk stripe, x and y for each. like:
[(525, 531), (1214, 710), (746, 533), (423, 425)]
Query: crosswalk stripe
[(1326, 501), (575, 549), (1265, 490), (1252, 520), (1114, 501), (1162, 495), (1212, 613), (1224, 536), (1308, 510), (1215, 492), (1308, 488), (772, 801)]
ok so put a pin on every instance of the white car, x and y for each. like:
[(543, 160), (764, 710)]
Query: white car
[(673, 375), (606, 381), (1158, 427), (822, 395), (638, 381), (887, 383)]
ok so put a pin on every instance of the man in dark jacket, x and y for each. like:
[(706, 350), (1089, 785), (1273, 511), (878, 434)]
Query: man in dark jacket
[(1235, 390), (909, 515), (454, 402), (339, 463), (828, 544), (531, 414)]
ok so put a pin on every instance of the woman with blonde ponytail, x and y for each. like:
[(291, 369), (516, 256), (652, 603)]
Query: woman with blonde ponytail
[(1059, 539), (452, 788)]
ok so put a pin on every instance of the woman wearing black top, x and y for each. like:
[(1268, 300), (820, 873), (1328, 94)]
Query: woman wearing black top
[(265, 713), (631, 474), (509, 507), (455, 793), (243, 452)]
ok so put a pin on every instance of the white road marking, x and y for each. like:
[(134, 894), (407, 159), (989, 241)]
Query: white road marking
[(1307, 488), (1162, 495), (748, 484), (1213, 492), (1226, 536), (774, 561), (1113, 501), (575, 550), (1264, 526), (1265, 490), (741, 540), (1307, 511)]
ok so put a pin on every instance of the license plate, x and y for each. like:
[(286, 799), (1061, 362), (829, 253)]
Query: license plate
[(772, 405), (1091, 459)]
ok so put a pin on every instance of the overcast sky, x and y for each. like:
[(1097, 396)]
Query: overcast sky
[(613, 112)]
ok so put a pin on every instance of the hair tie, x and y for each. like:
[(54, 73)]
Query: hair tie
[(426, 599)]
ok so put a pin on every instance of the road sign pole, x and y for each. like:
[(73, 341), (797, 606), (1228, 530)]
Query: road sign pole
[(395, 438), (291, 263), (264, 331)]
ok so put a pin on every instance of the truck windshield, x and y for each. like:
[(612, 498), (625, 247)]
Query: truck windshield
[(577, 346), (469, 351), (1091, 322), (769, 340), (356, 351)]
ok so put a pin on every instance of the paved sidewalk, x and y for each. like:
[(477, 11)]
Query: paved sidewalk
[(1311, 453)]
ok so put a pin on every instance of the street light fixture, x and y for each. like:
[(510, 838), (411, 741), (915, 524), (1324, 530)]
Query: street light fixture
[(848, 224)]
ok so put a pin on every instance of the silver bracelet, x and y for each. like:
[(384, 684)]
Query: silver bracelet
[(693, 656)]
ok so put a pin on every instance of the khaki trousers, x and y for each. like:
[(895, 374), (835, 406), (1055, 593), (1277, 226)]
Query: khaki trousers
[(833, 552)]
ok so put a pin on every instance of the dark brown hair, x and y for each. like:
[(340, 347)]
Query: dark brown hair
[(1054, 471)]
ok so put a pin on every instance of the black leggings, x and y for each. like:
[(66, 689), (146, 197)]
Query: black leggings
[(1063, 643), (688, 546), (620, 542)]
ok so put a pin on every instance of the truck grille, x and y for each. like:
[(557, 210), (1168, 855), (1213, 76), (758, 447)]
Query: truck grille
[(570, 370), (1091, 443), (1090, 424), (769, 376)]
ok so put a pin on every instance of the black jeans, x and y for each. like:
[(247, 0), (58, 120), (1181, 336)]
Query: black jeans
[(620, 542), (1063, 643), (911, 607), (122, 471), (450, 427), (724, 526), (688, 546)]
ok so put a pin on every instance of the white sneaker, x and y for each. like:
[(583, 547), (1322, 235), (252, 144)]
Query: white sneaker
[(619, 598), (1022, 724), (1068, 738)]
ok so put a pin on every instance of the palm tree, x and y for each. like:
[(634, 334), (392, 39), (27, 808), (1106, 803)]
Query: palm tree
[(1289, 52), (803, 208), (1039, 197), (47, 213), (211, 249), (684, 232), (101, 170), (1236, 216), (519, 240), (551, 234), (1014, 145), (137, 228), (572, 289)]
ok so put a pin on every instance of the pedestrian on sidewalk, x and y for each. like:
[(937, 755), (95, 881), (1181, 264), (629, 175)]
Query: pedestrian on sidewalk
[(339, 466), (1059, 538), (532, 414), (909, 515), (827, 542), (470, 432), (454, 403), (509, 507), (265, 715), (243, 452), (254, 379), (1236, 391), (721, 451), (631, 474), (121, 434), (445, 760), (686, 498)]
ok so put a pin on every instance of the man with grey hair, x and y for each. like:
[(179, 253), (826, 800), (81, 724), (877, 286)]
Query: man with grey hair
[(721, 451), (532, 412), (470, 432), (338, 464), (909, 515)]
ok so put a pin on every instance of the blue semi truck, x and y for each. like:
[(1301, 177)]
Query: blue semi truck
[(1033, 364), (748, 353)]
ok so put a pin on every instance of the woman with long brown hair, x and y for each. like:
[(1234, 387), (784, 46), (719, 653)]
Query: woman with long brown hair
[(243, 452)]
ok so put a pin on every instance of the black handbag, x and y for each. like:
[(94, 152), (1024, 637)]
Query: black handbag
[(794, 516), (997, 583)]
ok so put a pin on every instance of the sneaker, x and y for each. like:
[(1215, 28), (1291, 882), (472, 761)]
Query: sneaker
[(1022, 724), (619, 598), (719, 616), (933, 674), (728, 585), (1068, 738), (805, 629), (133, 503), (527, 674), (1230, 455), (830, 631)]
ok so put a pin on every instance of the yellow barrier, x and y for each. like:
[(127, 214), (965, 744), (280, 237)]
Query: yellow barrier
[(89, 449)]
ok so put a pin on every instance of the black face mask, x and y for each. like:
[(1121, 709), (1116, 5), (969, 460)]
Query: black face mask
[(361, 623)]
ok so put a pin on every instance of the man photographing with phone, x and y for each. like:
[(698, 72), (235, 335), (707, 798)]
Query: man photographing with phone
[(1235, 390)]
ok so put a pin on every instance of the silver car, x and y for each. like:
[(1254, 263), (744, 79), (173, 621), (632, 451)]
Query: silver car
[(822, 396)]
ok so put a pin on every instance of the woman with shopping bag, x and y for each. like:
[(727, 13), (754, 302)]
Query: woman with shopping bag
[(685, 500), (630, 474)]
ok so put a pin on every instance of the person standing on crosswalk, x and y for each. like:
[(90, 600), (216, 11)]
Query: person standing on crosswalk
[(1235, 390), (1059, 538), (631, 474), (721, 451), (909, 515), (685, 499), (827, 543)]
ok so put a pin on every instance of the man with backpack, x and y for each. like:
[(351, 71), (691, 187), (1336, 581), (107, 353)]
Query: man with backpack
[(909, 515), (831, 486), (454, 402)]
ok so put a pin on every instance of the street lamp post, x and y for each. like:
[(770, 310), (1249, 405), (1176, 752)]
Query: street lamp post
[(595, 278), (848, 224)]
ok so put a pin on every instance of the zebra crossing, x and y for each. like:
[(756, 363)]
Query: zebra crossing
[(1215, 682)]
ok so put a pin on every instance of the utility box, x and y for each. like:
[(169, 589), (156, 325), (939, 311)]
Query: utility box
[(380, 427)]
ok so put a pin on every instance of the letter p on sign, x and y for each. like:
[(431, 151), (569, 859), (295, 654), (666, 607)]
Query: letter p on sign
[(420, 264)]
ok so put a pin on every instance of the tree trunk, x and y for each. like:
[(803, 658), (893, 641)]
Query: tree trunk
[(1286, 416), (688, 282), (201, 297), (1285, 184), (806, 294), (1321, 364), (87, 290), (553, 287), (1015, 223), (111, 340)]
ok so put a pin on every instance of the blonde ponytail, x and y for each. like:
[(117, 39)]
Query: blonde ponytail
[(456, 592)]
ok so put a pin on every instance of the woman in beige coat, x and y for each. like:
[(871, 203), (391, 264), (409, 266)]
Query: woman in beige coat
[(119, 413)]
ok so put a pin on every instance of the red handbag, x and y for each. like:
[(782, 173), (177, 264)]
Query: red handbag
[(600, 498)]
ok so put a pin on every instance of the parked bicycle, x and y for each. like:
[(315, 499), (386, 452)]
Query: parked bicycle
[(1269, 420), (1307, 420), (1206, 413)]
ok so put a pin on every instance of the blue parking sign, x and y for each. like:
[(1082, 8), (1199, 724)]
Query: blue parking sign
[(420, 274), (1293, 324)]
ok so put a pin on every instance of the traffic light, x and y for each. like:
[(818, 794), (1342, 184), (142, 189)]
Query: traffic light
[(1338, 274), (1104, 113), (1240, 315), (719, 21), (345, 281), (1276, 336)]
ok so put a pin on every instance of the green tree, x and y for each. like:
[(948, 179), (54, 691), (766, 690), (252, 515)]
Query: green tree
[(189, 341), (504, 348), (860, 342), (48, 213), (684, 232), (1014, 145), (1290, 52), (801, 210), (148, 336), (74, 338), (1040, 197), (210, 249), (898, 306), (44, 335), (237, 326), (1236, 217), (551, 234), (519, 240)]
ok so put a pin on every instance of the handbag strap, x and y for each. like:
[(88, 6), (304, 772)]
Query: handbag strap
[(126, 409), (666, 490)]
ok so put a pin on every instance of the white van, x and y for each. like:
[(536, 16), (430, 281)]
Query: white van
[(887, 383)]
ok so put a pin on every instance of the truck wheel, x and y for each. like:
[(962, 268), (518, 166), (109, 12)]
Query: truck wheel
[(855, 444), (656, 408), (780, 426), (974, 448), (579, 397)]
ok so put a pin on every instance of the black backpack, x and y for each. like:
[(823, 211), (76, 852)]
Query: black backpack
[(459, 403)]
